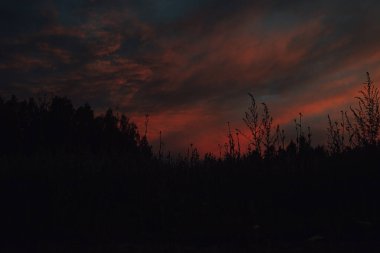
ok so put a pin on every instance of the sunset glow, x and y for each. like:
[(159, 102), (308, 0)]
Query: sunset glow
[(190, 64)]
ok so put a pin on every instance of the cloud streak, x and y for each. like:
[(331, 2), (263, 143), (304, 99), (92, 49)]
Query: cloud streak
[(190, 64)]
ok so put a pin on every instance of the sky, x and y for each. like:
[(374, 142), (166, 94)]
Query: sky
[(190, 64)]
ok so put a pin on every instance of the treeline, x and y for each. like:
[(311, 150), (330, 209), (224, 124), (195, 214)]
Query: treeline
[(357, 128), (68, 177), (53, 126)]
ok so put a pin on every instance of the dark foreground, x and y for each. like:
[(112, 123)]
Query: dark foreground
[(295, 247), (73, 182), (94, 204)]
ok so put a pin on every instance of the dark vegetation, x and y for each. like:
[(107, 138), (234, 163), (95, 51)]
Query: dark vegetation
[(72, 181)]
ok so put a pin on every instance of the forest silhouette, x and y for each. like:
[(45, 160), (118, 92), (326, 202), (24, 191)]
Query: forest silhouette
[(69, 177)]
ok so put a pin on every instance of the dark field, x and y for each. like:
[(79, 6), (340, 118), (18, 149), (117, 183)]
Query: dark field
[(71, 183)]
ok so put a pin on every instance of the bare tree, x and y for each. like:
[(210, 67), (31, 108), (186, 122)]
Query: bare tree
[(335, 136), (231, 152), (253, 122), (260, 125), (280, 138), (266, 123), (366, 116)]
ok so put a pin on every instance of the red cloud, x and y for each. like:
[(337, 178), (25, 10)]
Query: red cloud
[(192, 77), (24, 63)]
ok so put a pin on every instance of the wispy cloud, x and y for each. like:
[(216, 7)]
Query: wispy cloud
[(190, 64)]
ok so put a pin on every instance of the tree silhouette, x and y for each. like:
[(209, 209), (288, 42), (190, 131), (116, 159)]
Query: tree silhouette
[(366, 115), (335, 136), (71, 177), (260, 125), (55, 126), (252, 121)]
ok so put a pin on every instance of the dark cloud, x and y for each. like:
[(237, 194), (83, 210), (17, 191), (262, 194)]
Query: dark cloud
[(189, 61)]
